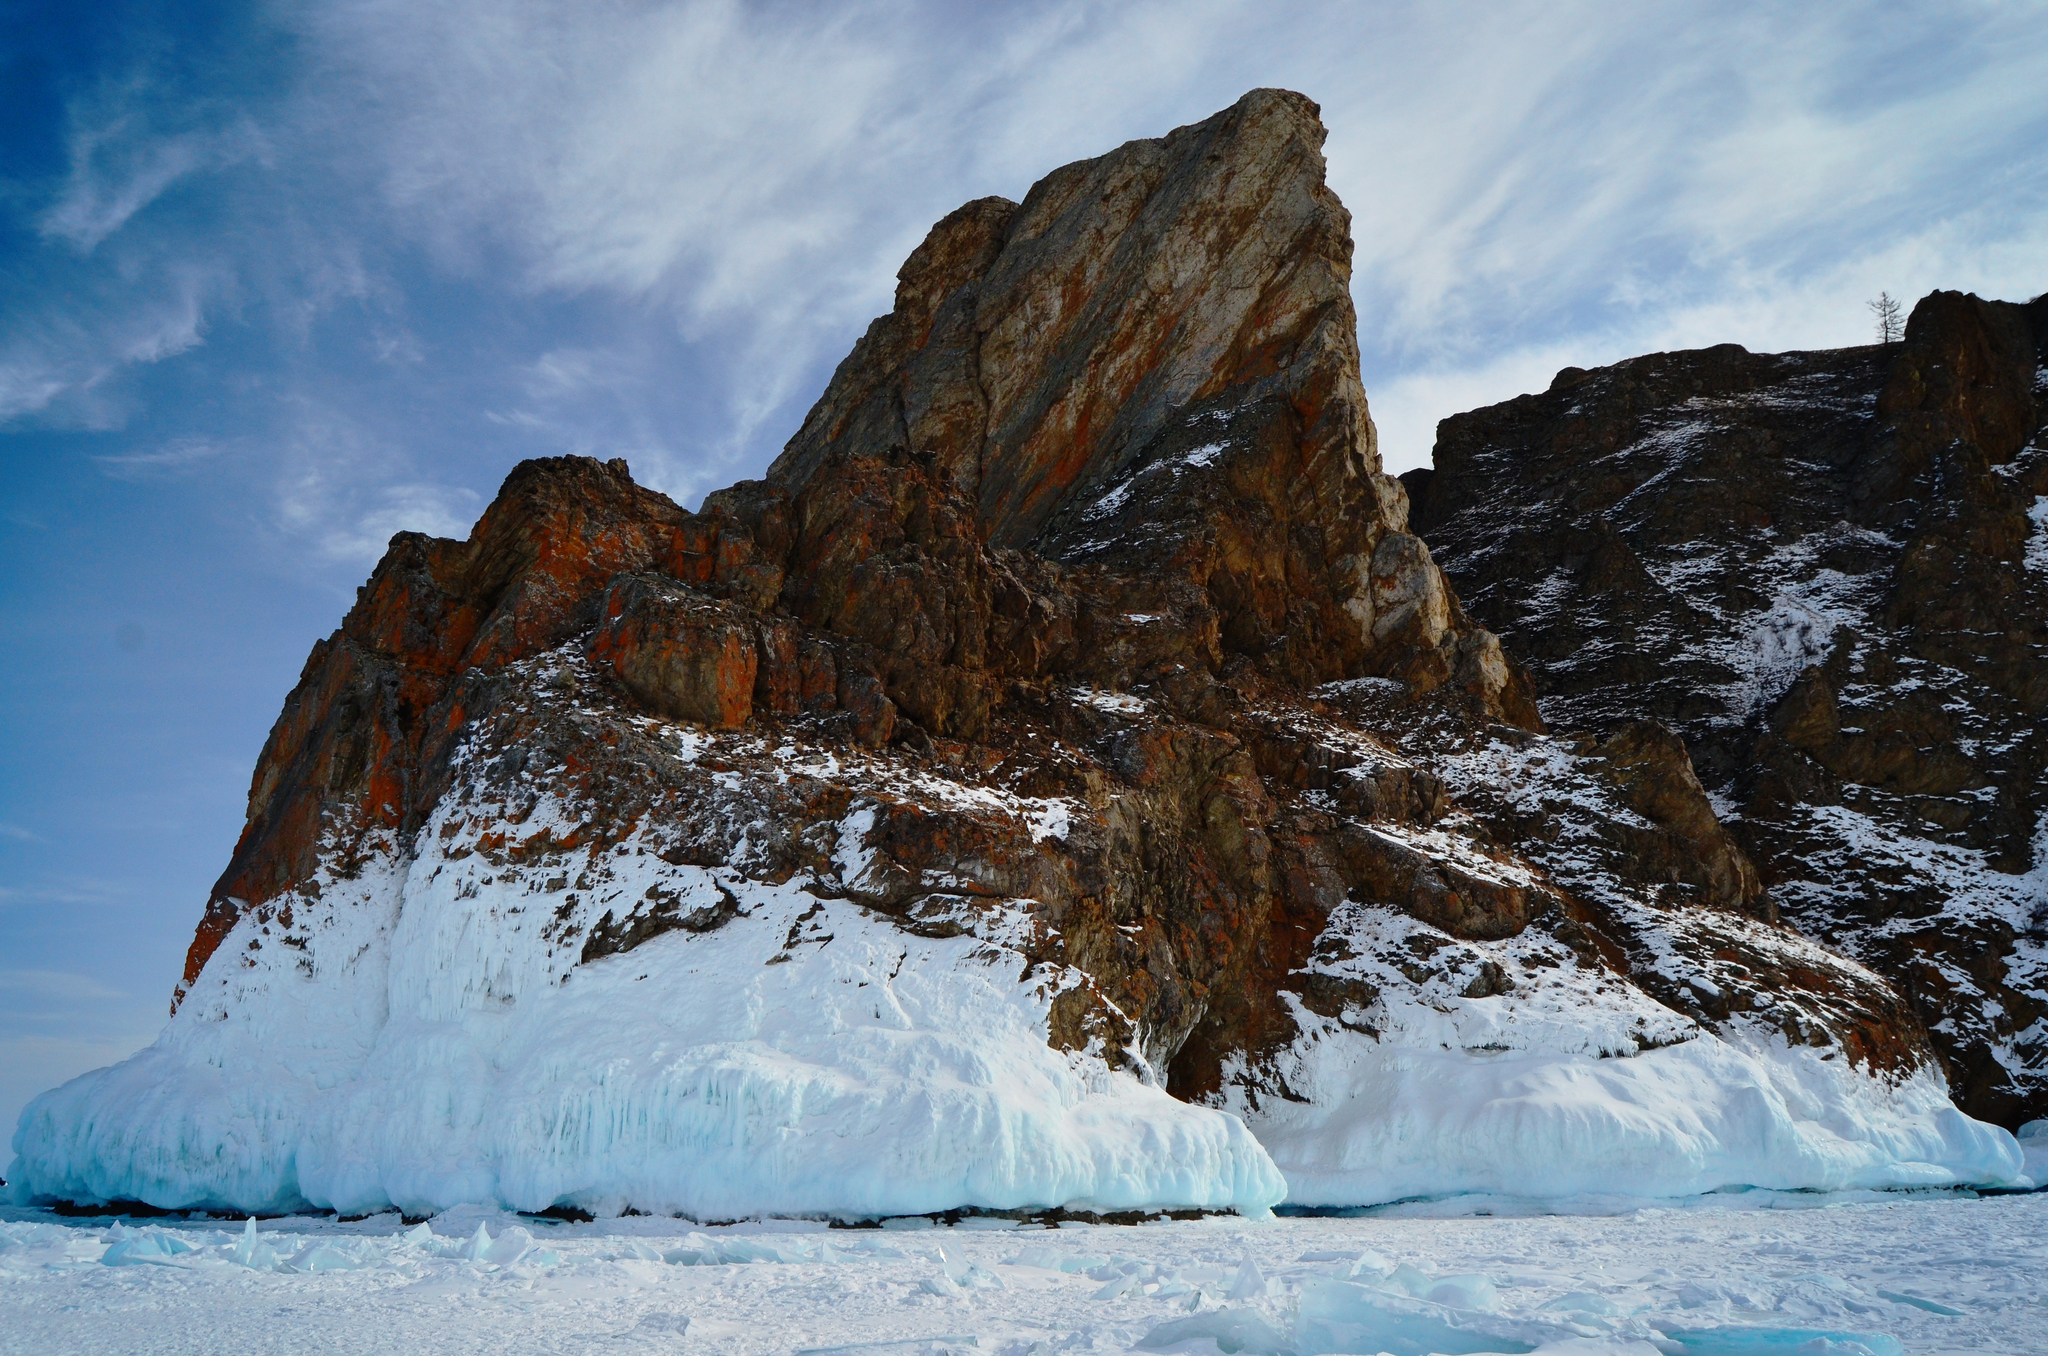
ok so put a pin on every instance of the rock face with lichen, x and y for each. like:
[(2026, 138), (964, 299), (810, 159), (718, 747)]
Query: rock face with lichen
[(1829, 572), (1071, 701)]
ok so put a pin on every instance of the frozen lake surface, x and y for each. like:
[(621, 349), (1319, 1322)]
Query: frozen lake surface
[(1758, 1274)]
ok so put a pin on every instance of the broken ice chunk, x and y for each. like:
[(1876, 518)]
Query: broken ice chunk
[(134, 1247), (1465, 1292), (1342, 1316), (479, 1244), (1233, 1330), (1122, 1285), (1583, 1302), (1250, 1282), (515, 1243), (1734, 1341)]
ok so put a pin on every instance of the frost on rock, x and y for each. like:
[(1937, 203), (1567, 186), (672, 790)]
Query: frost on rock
[(1513, 1070), (1429, 1064), (534, 1006)]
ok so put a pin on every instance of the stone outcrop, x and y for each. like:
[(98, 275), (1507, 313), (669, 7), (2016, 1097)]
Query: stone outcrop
[(1829, 573), (1090, 526), (1147, 370)]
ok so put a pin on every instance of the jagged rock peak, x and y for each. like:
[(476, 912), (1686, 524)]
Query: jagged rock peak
[(1150, 367), (1147, 373), (1041, 352)]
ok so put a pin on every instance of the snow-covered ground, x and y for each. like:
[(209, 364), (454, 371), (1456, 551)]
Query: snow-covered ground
[(1756, 1274)]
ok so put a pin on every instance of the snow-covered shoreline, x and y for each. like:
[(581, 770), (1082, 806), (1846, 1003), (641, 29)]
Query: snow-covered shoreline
[(743, 1071)]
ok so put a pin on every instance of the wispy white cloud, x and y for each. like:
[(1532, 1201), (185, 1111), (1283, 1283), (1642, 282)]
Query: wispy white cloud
[(732, 186), (28, 383), (118, 167), (1766, 310), (437, 510), (1519, 175), (177, 455), (49, 991), (70, 892), (1605, 163), (57, 361), (397, 347), (342, 493)]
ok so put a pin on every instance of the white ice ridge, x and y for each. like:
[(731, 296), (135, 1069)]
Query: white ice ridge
[(429, 1045), (1700, 1117), (1542, 1094)]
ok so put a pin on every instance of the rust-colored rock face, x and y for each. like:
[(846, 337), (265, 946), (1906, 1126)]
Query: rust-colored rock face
[(1150, 366), (357, 750), (684, 655), (1038, 351), (1829, 573), (1091, 521)]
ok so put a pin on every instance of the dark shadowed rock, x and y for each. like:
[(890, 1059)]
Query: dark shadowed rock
[(1647, 765), (1829, 573)]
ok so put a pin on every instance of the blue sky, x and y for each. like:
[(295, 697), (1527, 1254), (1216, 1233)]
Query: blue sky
[(278, 280)]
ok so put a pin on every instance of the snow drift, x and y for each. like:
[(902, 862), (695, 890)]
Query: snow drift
[(1708, 1115)]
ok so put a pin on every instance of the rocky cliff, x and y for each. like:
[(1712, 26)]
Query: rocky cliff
[(1064, 759), (1829, 573)]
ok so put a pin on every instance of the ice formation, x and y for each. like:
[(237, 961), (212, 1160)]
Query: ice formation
[(446, 1053), (1563, 1082), (423, 1036), (1427, 1115)]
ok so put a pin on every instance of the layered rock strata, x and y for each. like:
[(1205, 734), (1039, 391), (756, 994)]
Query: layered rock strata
[(1828, 572), (1064, 758)]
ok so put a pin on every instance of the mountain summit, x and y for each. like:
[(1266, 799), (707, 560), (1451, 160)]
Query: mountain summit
[(1063, 780)]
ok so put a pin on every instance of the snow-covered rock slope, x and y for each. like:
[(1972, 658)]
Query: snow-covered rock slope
[(1064, 782), (426, 1032), (1828, 571)]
